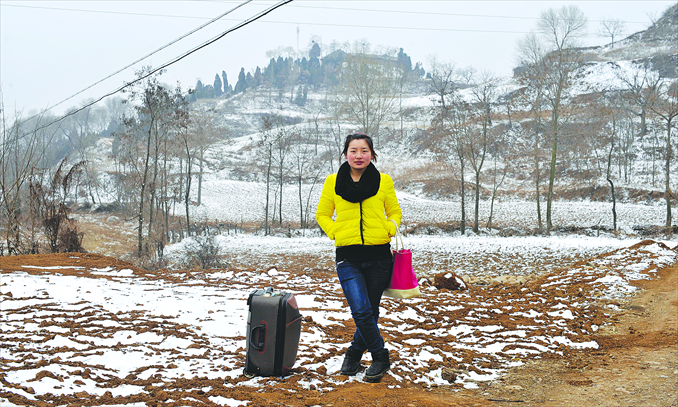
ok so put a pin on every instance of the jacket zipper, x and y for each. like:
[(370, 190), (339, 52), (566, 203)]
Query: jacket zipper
[(362, 237)]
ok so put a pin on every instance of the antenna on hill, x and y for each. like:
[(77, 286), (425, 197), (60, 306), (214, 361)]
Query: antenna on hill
[(297, 38)]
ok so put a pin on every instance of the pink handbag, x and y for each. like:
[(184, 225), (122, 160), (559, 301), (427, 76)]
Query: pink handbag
[(403, 282)]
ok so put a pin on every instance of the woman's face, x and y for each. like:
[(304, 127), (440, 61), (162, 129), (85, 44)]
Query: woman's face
[(358, 154)]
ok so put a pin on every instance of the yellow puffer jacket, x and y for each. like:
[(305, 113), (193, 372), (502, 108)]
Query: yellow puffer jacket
[(363, 223)]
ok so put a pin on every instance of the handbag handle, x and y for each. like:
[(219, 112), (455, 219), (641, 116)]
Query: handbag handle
[(398, 236)]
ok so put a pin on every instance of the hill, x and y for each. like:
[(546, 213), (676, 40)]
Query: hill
[(428, 176), (255, 160)]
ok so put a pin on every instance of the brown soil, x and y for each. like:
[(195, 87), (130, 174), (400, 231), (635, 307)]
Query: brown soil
[(636, 363)]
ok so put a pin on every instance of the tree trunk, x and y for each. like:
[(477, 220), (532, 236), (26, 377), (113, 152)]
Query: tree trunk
[(301, 205), (463, 199), (540, 224), (552, 173), (188, 187), (476, 210), (143, 191), (268, 189), (280, 186), (614, 205), (202, 166), (495, 188), (152, 201), (669, 151), (609, 179)]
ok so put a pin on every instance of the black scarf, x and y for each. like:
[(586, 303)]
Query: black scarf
[(356, 192)]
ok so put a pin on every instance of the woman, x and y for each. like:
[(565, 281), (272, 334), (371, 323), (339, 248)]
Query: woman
[(367, 214)]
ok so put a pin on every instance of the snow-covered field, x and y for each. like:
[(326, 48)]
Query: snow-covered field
[(477, 256), (76, 332), (230, 201)]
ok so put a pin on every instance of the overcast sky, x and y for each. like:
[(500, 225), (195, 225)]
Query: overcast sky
[(50, 50)]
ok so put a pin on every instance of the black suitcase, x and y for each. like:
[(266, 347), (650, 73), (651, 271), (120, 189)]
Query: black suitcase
[(273, 330)]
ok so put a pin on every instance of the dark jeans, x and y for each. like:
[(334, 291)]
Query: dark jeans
[(363, 284)]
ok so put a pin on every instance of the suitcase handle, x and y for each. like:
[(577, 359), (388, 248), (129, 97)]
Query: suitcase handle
[(258, 337)]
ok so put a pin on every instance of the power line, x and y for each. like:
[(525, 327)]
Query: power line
[(297, 23), (437, 14), (173, 61), (146, 56), (303, 6), (102, 11)]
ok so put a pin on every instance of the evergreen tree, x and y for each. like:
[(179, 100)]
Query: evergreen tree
[(241, 85), (298, 100), (280, 73), (404, 61), (217, 86), (249, 80), (258, 77), (315, 72), (269, 73), (199, 90), (302, 95), (315, 51), (209, 91), (419, 70), (224, 80), (304, 64)]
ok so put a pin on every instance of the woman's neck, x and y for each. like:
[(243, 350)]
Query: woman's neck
[(356, 174)]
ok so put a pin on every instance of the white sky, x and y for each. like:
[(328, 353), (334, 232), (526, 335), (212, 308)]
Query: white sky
[(50, 50)]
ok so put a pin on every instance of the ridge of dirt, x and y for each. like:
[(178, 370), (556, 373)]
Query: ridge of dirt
[(75, 264)]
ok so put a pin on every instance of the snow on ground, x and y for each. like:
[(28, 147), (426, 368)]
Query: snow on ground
[(232, 201), (478, 256), (117, 333)]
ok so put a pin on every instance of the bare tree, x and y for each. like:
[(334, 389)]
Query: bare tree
[(485, 97), (306, 170), (557, 73), (283, 142), (368, 89), (500, 149), (613, 131), (275, 141), (266, 143), (562, 28), (605, 114), (206, 131), (531, 51), (159, 115), (452, 124), (641, 83), (442, 83), (664, 105), (23, 144), (189, 178), (458, 128), (611, 27), (82, 130)]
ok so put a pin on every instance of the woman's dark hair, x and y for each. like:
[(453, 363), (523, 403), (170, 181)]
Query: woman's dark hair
[(360, 136)]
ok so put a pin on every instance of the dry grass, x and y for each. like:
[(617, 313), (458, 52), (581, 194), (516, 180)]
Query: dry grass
[(107, 234)]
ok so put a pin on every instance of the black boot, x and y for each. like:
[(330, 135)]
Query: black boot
[(380, 364), (351, 364)]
